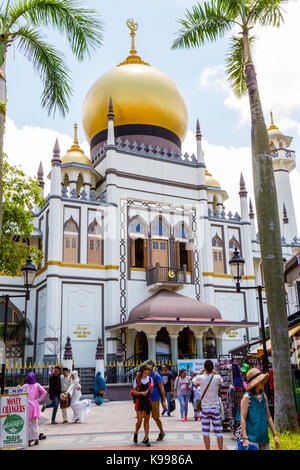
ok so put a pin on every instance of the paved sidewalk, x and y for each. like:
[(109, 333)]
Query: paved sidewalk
[(111, 426)]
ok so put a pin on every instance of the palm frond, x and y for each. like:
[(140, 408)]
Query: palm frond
[(51, 66), (235, 66), (204, 23), (81, 26), (266, 13)]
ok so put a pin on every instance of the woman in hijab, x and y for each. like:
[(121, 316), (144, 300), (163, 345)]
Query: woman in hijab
[(80, 407), (99, 387), (34, 389)]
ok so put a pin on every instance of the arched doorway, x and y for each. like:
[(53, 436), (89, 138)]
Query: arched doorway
[(209, 345), (140, 347), (163, 346), (186, 344)]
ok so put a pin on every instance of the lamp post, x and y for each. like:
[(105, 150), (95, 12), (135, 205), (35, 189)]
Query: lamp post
[(28, 272), (237, 270)]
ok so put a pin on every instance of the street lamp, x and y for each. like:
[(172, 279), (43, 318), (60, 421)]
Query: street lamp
[(237, 270), (28, 272)]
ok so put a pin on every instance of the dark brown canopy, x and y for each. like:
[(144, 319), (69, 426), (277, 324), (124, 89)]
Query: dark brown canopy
[(170, 305)]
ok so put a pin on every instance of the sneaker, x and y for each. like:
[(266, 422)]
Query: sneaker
[(135, 438), (160, 436), (182, 419), (196, 418), (164, 411), (147, 443), (199, 417), (54, 422), (185, 419)]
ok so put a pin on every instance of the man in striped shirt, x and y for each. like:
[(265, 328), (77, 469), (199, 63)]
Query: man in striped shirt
[(209, 381)]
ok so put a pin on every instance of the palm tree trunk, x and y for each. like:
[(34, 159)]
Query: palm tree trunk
[(2, 128), (271, 254)]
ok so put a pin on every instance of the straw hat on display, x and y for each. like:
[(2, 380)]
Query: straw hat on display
[(256, 377)]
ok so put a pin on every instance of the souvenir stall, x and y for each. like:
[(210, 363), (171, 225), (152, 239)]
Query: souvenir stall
[(224, 369)]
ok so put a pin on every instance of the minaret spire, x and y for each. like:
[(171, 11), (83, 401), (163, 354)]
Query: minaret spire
[(243, 192)]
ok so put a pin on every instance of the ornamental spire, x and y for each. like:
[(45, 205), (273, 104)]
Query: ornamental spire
[(133, 58)]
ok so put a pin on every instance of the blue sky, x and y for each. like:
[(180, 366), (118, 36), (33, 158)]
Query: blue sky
[(225, 121)]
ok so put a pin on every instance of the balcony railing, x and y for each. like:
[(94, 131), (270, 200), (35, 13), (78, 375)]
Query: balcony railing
[(169, 275), (283, 153)]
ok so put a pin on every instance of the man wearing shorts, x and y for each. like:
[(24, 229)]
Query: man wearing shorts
[(210, 408), (157, 394)]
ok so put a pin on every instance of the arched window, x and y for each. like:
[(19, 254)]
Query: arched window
[(183, 247), (233, 244), (218, 255), (160, 228), (94, 243), (71, 241), (138, 243)]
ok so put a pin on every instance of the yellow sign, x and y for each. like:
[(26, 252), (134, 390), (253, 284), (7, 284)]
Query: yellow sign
[(171, 274), (81, 332)]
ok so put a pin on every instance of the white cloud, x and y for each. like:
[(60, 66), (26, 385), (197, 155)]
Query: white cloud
[(28, 146)]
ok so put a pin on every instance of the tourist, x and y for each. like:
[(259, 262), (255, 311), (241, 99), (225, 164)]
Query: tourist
[(99, 388), (34, 389), (209, 381), (158, 393), (54, 393), (79, 407), (65, 382), (255, 414), (168, 383), (142, 388), (196, 397), (182, 391)]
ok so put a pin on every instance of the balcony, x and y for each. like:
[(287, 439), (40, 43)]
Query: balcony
[(169, 276)]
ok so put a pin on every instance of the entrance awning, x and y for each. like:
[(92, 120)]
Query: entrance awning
[(169, 308), (259, 349)]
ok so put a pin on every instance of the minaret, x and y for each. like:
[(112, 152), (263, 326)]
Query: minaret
[(286, 231), (284, 162), (252, 221), (110, 128), (55, 188), (243, 199), (40, 177)]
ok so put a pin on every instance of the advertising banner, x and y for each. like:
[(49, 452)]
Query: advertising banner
[(14, 419), (193, 365)]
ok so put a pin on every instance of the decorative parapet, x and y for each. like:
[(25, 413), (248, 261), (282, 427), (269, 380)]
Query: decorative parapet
[(221, 216), (146, 151), (83, 196)]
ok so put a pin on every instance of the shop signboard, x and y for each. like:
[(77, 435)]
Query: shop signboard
[(193, 365), (14, 419)]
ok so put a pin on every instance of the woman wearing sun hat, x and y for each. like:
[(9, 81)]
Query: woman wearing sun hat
[(255, 414)]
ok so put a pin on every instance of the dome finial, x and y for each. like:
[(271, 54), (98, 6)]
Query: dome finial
[(75, 134), (133, 27), (272, 126), (133, 58)]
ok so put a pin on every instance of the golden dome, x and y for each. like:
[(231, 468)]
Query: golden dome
[(273, 129), (75, 154), (211, 181), (140, 94)]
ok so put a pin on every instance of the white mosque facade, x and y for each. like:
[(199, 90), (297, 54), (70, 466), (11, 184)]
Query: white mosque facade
[(137, 238)]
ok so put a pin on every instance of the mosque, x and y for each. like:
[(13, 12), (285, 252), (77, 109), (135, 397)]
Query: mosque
[(136, 237)]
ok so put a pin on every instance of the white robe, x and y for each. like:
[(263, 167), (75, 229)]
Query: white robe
[(80, 407)]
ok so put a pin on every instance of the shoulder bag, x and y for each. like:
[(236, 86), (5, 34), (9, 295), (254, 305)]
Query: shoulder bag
[(198, 402)]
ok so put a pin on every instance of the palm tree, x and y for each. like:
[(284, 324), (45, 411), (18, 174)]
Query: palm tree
[(208, 23), (21, 24)]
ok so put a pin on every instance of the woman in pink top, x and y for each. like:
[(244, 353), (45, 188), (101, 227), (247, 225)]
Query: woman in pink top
[(34, 390)]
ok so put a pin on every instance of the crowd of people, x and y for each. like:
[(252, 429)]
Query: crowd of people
[(150, 390), (202, 389)]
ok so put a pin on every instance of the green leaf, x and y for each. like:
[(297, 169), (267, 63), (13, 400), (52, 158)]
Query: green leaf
[(235, 66)]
